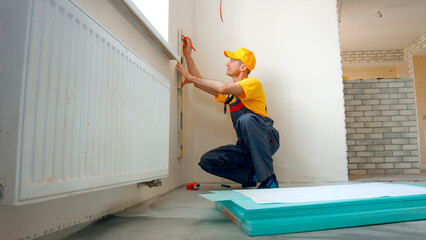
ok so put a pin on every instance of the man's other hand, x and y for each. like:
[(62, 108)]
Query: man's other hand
[(188, 77)]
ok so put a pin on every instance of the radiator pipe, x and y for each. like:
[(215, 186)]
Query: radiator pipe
[(1, 191), (150, 184)]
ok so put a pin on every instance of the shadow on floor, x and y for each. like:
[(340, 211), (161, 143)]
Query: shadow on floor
[(182, 214)]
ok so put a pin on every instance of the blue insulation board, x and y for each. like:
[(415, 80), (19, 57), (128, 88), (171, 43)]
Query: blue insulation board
[(279, 218)]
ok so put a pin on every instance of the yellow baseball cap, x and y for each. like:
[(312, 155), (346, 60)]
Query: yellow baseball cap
[(246, 56)]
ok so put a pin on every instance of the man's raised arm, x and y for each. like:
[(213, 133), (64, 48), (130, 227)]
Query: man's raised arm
[(187, 51)]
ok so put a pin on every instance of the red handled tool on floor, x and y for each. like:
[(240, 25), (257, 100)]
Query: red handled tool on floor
[(193, 186)]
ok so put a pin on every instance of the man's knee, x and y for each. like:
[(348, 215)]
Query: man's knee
[(211, 160), (205, 162)]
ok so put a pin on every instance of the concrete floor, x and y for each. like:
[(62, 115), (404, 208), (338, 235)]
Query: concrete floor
[(182, 214)]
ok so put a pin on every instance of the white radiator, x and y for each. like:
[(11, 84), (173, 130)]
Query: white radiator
[(79, 111)]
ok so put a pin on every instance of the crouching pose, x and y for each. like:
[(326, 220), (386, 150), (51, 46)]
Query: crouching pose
[(250, 160)]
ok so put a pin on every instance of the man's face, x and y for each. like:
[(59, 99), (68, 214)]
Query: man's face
[(233, 67)]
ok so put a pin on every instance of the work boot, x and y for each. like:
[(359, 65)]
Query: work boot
[(252, 181), (270, 182)]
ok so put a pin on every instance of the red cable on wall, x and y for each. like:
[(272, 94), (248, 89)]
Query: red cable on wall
[(220, 9)]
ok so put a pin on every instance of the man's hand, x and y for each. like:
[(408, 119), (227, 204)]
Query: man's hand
[(188, 77), (187, 50), (187, 47)]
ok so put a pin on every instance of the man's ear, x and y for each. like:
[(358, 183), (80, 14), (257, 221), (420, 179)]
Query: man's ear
[(243, 67)]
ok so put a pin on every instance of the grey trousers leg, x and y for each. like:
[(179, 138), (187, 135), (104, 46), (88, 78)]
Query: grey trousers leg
[(231, 162), (258, 140), (261, 139)]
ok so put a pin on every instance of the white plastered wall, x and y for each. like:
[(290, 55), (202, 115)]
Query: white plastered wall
[(67, 214), (296, 44)]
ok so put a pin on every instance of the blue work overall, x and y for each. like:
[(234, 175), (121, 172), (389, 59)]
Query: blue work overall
[(257, 141)]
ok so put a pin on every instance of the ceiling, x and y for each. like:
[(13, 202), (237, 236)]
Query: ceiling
[(361, 29)]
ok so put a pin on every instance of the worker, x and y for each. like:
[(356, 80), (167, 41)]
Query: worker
[(250, 160)]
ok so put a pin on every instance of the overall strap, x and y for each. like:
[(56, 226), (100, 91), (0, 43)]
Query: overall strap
[(237, 109), (227, 101)]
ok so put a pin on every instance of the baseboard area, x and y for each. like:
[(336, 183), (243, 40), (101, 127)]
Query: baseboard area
[(388, 178)]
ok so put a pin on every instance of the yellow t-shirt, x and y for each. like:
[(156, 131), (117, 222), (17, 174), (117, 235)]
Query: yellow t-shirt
[(253, 97)]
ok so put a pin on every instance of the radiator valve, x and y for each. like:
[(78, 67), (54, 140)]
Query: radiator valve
[(150, 184)]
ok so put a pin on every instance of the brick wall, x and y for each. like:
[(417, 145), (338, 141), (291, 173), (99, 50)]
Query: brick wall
[(381, 125), (411, 49), (372, 56)]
